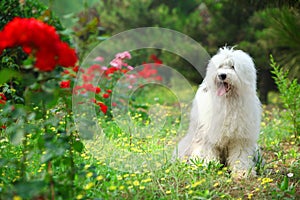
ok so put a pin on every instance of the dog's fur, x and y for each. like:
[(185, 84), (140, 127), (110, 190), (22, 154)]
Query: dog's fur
[(225, 116)]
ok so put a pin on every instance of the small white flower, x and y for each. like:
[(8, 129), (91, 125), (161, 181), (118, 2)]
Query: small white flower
[(290, 175)]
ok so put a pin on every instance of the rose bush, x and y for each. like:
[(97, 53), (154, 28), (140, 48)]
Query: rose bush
[(39, 40), (39, 124)]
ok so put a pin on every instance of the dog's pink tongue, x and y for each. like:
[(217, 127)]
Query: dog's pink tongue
[(221, 90)]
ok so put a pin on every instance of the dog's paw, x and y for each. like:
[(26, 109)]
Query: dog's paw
[(242, 174)]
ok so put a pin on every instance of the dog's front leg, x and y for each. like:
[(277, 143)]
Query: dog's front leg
[(204, 151), (240, 159)]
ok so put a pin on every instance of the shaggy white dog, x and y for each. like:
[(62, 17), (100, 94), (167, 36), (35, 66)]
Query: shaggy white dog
[(226, 113)]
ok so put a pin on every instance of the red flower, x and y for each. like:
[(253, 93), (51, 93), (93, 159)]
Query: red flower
[(66, 56), (158, 78), (155, 59), (89, 87), (105, 95), (124, 71), (39, 39), (2, 98), (65, 84), (109, 91), (111, 70), (88, 78), (93, 68), (44, 60), (66, 72), (103, 107), (147, 71), (76, 68), (93, 100), (98, 90)]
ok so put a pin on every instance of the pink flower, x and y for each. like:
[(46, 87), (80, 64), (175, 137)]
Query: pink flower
[(104, 68), (130, 67), (118, 63), (99, 58), (124, 55)]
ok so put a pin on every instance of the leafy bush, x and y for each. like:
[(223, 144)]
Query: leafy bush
[(282, 37), (290, 96), (38, 125)]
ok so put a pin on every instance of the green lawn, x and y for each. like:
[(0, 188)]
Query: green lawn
[(99, 172)]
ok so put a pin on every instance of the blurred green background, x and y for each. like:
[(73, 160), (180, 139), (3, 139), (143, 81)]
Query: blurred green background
[(259, 27)]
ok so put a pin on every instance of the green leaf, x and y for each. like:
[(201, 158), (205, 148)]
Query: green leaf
[(78, 146), (284, 184), (7, 74), (29, 189), (49, 99)]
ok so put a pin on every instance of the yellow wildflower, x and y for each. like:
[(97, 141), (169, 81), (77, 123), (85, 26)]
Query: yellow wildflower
[(112, 188), (89, 175), (136, 183), (250, 196), (17, 198), (88, 186), (99, 178)]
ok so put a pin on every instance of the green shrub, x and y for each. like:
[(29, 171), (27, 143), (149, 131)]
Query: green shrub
[(290, 97)]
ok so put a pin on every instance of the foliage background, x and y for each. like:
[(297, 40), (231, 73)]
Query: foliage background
[(260, 28)]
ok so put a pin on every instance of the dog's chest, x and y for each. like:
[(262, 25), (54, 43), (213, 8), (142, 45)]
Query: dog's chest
[(231, 126)]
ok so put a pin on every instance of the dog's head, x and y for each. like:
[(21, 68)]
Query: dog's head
[(231, 72)]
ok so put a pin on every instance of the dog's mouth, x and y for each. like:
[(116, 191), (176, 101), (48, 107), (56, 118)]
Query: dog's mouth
[(223, 88)]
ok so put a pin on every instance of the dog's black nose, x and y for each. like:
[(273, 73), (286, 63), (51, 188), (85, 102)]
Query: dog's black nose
[(222, 76)]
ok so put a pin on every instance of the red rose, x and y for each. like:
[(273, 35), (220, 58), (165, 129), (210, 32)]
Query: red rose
[(41, 40), (105, 95), (66, 72), (111, 70), (66, 56), (103, 107), (98, 90), (76, 68), (45, 60), (89, 87), (2, 98), (65, 84), (155, 59)]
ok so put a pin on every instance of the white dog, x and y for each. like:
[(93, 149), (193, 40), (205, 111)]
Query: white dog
[(226, 113)]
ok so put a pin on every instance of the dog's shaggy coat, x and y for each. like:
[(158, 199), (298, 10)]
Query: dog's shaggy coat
[(225, 116)]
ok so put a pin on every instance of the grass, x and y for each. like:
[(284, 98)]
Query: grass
[(101, 172)]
